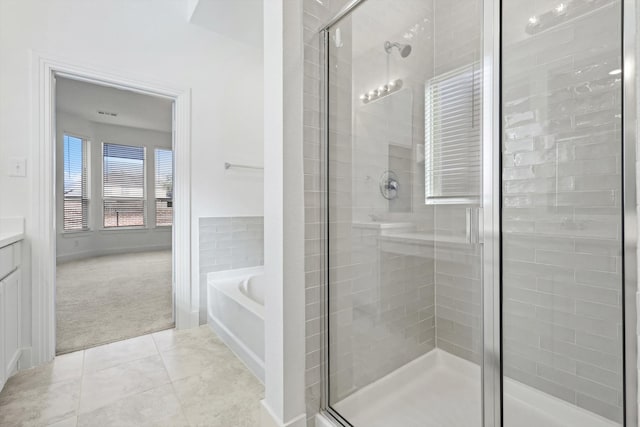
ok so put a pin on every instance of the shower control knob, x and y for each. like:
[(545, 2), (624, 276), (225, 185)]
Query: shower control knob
[(389, 185)]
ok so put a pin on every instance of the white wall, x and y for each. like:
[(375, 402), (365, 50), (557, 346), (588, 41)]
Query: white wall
[(240, 19), (284, 231), (152, 41), (98, 241)]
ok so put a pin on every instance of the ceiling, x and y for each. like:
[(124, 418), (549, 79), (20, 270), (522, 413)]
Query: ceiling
[(240, 20), (133, 109)]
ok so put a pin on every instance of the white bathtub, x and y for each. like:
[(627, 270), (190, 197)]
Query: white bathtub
[(235, 311)]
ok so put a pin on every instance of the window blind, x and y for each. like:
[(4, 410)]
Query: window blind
[(123, 185), (164, 187), (453, 136), (75, 199)]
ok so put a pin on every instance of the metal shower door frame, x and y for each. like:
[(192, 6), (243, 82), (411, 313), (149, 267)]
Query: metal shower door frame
[(629, 23), (490, 218), (490, 221)]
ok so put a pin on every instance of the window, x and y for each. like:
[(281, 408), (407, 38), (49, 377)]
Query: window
[(123, 182), (75, 203), (452, 136), (164, 187)]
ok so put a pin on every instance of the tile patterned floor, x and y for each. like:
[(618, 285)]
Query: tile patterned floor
[(169, 378)]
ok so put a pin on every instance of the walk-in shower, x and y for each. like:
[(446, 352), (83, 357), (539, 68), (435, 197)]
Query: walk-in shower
[(476, 259)]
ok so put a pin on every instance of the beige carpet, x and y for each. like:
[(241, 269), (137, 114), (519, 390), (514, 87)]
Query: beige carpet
[(112, 298)]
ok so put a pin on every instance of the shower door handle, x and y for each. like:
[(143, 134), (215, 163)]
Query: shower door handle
[(474, 225)]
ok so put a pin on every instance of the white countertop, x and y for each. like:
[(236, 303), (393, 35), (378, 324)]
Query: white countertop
[(11, 230)]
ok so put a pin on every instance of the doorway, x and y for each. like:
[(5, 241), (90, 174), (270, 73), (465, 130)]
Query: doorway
[(114, 205), (43, 243)]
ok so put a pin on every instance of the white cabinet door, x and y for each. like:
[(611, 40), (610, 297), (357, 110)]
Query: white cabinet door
[(11, 322), (7, 260), (3, 365)]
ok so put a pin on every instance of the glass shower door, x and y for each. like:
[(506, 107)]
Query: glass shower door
[(562, 213), (404, 194)]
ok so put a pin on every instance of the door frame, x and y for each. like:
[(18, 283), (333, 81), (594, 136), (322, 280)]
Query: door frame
[(43, 221)]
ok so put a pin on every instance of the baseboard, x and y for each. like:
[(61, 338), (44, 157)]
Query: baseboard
[(269, 419), (195, 318), (323, 421), (60, 259), (25, 361), (12, 366), (185, 318)]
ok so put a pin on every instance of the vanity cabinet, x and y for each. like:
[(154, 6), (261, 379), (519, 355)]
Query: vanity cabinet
[(10, 290)]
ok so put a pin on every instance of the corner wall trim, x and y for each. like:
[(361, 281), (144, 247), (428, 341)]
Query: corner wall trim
[(41, 227), (25, 359), (269, 419)]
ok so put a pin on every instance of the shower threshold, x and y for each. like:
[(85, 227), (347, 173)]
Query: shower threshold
[(440, 389)]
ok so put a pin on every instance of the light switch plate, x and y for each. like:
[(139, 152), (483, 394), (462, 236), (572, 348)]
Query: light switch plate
[(17, 166)]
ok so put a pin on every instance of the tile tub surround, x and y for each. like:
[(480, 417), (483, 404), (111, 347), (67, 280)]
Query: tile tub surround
[(173, 378), (228, 243)]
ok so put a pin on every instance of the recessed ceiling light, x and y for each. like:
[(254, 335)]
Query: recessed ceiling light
[(615, 72)]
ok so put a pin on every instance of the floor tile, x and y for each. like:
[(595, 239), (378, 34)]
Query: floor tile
[(106, 386), (155, 407), (40, 406), (129, 384), (224, 395), (68, 422), (182, 362), (106, 356), (62, 368), (172, 338)]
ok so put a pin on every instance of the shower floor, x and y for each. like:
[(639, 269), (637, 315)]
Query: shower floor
[(439, 389)]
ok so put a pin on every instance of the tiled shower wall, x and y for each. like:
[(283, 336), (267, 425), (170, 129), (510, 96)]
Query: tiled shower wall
[(559, 297), (228, 243), (562, 280), (458, 267), (392, 312), (315, 14), (343, 255), (382, 300)]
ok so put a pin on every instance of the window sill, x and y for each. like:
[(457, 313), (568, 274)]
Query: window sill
[(135, 229), (124, 229), (76, 233)]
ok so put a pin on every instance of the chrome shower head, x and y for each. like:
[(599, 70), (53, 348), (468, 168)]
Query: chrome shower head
[(404, 49)]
